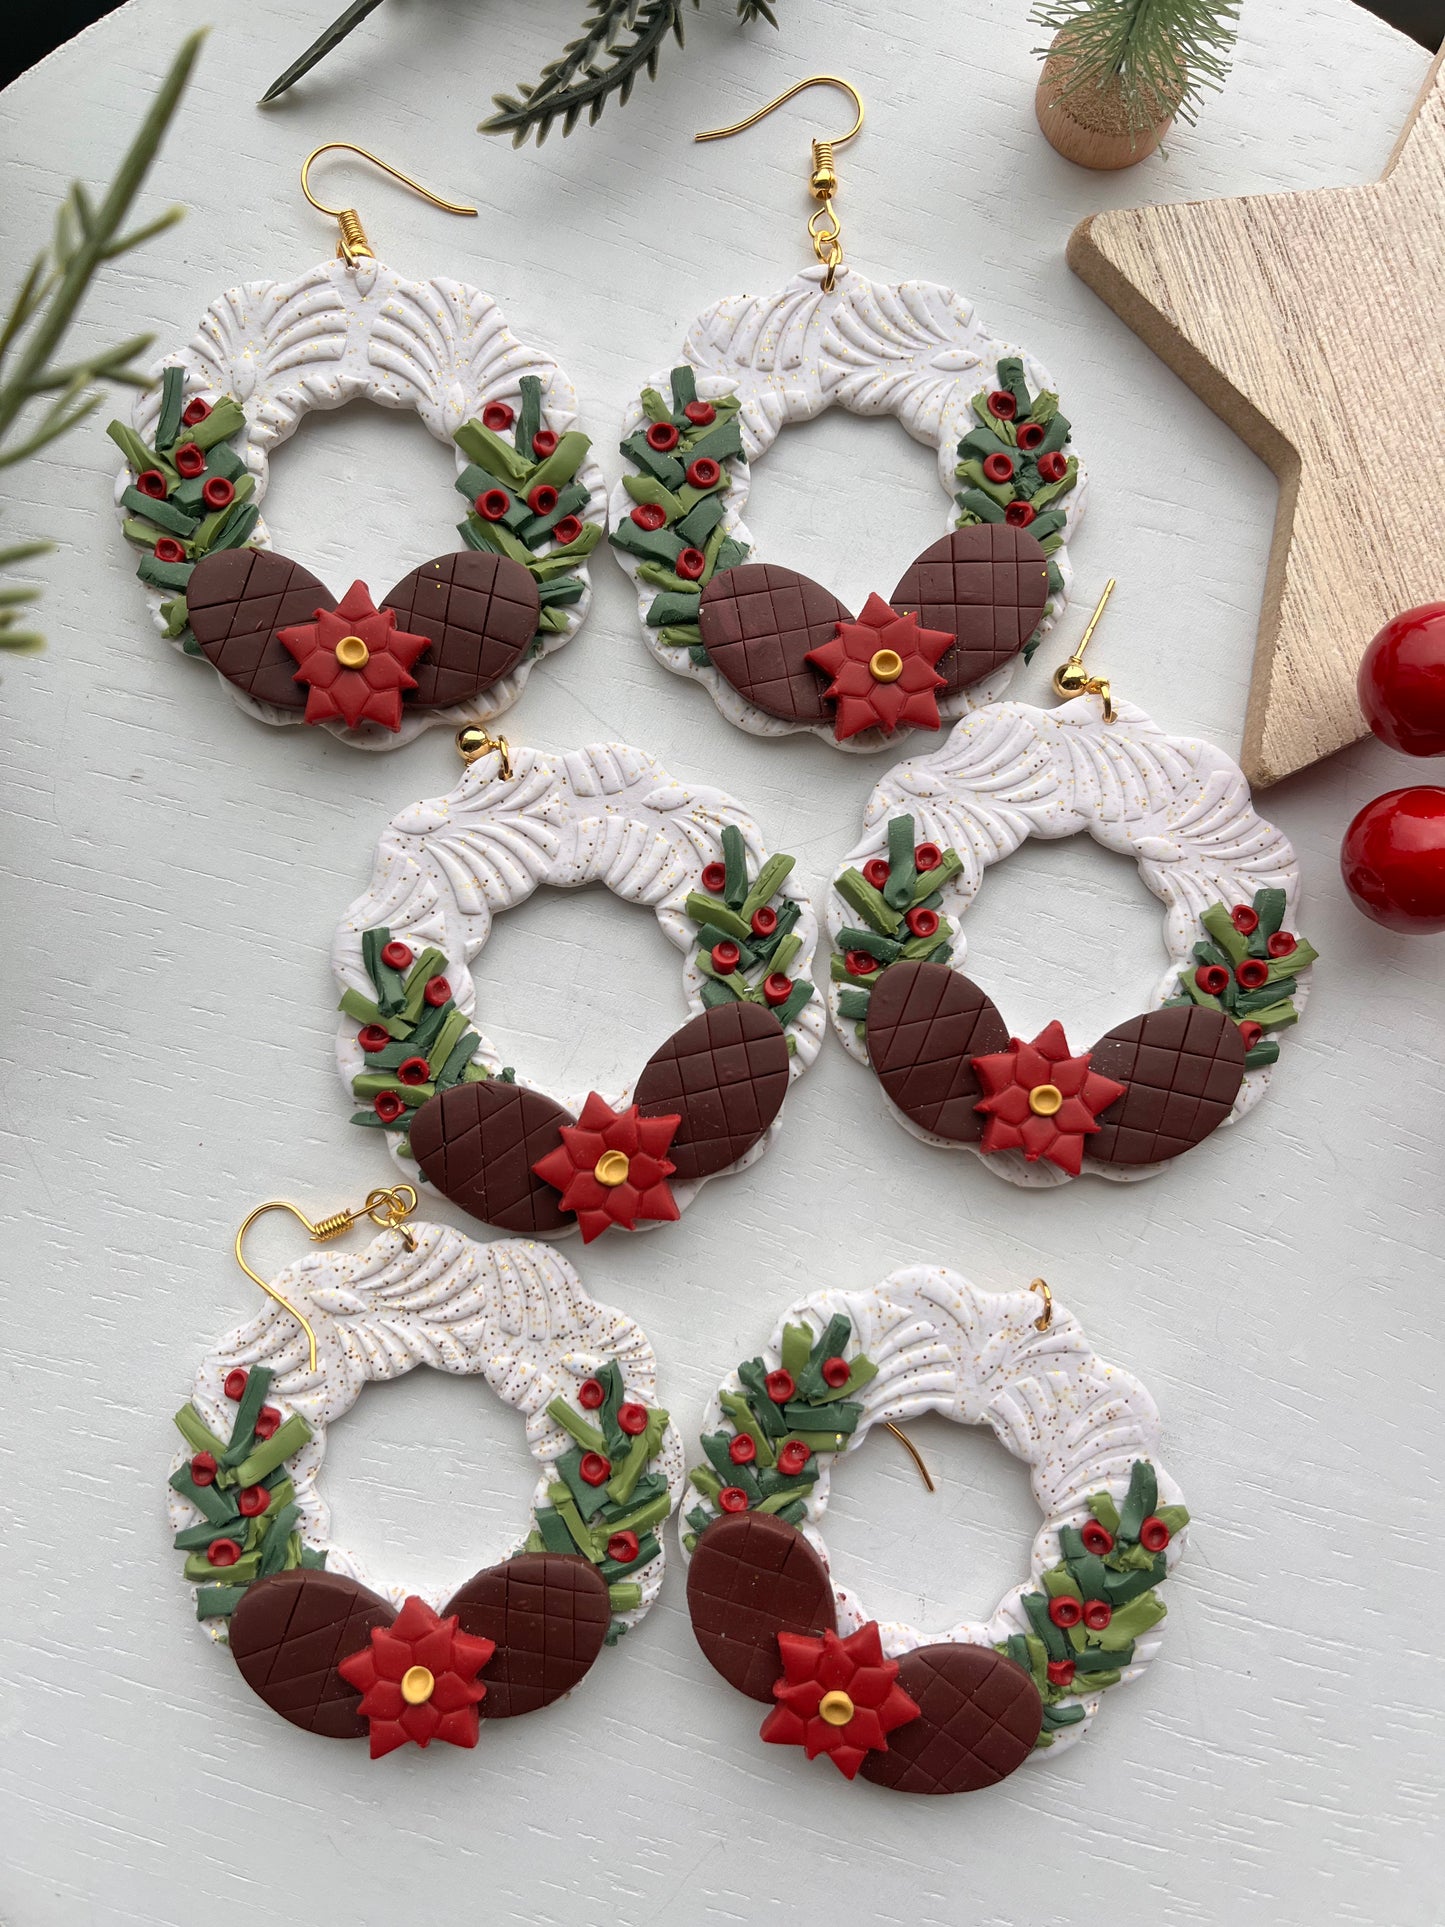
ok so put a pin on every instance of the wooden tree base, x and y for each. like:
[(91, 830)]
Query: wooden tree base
[(1090, 126), (1314, 324)]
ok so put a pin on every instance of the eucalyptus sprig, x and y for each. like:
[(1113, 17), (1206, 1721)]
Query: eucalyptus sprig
[(42, 398), (1161, 53)]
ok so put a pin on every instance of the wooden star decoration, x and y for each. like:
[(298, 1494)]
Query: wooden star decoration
[(1314, 324)]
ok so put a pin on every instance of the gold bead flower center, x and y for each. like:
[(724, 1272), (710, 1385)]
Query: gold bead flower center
[(885, 665), (418, 1683), (836, 1708), (1045, 1099), (352, 653), (611, 1168)]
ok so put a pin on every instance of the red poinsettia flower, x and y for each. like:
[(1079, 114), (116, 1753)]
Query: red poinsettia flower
[(882, 670), (611, 1169), (354, 661), (837, 1696), (418, 1680), (1041, 1101)]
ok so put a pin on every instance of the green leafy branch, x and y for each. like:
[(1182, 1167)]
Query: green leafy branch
[(86, 236), (620, 40), (1161, 53)]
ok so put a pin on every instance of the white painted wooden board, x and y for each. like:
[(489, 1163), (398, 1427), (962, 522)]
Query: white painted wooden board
[(171, 876)]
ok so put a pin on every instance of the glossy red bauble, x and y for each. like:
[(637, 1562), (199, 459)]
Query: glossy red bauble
[(1393, 860), (1402, 682)]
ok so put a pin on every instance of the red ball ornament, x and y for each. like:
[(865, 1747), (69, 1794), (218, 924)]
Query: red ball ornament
[(1402, 682), (1393, 860)]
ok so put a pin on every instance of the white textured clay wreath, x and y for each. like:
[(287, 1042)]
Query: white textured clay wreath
[(457, 638), (346, 1656), (1041, 1111), (955, 1710), (706, 1101), (776, 651)]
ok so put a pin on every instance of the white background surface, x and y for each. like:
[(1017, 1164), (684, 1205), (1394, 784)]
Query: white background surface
[(172, 874)]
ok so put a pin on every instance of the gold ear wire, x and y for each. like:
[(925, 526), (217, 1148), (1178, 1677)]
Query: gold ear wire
[(824, 227), (912, 1450), (1046, 1317), (353, 245), (1072, 679), (386, 1208)]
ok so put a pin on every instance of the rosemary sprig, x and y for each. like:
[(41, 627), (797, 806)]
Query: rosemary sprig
[(86, 236)]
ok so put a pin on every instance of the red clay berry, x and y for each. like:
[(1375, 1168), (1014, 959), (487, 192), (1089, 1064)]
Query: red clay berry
[(498, 417), (544, 443), (663, 437), (780, 1386), (1002, 405)]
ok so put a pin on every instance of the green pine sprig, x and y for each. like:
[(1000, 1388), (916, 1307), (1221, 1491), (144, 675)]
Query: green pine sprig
[(620, 40), (86, 236), (1162, 53)]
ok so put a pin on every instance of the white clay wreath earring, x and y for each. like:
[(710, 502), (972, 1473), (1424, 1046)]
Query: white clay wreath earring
[(326, 1645), (1042, 1111), (480, 1131), (777, 652), (456, 639)]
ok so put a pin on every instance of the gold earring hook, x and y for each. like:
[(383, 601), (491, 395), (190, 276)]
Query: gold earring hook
[(353, 245), (824, 227), (474, 741), (911, 1449), (1042, 1323), (1072, 679), (386, 1208)]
